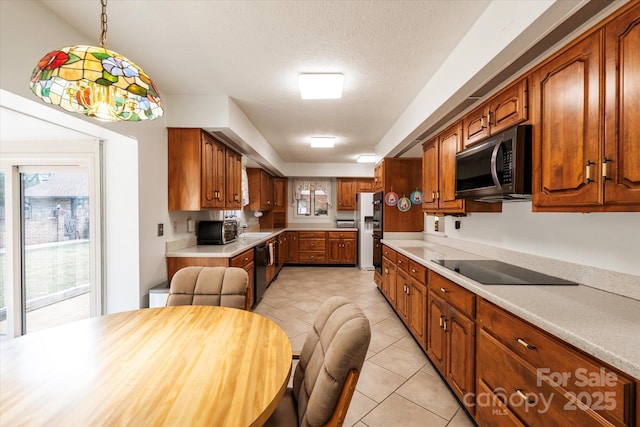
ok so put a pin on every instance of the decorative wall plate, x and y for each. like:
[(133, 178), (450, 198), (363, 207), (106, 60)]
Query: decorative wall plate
[(416, 197), (391, 198), (404, 204)]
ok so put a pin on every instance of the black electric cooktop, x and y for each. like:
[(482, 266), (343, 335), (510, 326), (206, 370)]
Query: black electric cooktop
[(490, 272)]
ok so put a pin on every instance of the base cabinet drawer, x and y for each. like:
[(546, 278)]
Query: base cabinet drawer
[(312, 257), (567, 386), (534, 400)]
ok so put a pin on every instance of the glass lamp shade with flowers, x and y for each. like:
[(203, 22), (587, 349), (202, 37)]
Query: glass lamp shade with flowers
[(96, 82)]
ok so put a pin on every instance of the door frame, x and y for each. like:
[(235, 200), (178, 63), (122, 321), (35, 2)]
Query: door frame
[(55, 156)]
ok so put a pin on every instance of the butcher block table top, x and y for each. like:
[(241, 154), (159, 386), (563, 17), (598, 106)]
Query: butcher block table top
[(170, 366)]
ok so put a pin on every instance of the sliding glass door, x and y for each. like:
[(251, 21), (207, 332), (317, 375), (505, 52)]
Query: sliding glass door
[(55, 230)]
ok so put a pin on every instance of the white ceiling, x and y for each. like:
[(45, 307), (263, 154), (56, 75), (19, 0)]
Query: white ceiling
[(253, 51)]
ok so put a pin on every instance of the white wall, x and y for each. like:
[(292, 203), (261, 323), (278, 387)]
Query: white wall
[(136, 176), (610, 241)]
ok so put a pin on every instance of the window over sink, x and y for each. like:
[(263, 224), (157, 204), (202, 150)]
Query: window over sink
[(312, 198)]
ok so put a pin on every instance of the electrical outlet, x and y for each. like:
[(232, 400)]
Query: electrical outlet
[(190, 225), (160, 230)]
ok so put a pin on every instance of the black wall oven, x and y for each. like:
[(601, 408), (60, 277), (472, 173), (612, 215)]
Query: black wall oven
[(377, 231)]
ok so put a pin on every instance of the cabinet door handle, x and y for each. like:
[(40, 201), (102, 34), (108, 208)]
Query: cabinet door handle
[(444, 325), (441, 321), (443, 290), (488, 118), (524, 397), (482, 124), (605, 161), (525, 344), (587, 172)]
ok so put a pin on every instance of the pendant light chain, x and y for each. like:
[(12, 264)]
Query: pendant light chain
[(103, 23)]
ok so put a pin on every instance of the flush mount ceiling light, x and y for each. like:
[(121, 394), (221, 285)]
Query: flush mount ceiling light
[(366, 158), (96, 82), (320, 86), (323, 141)]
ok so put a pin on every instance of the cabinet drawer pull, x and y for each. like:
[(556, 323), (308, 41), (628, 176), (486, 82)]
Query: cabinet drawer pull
[(526, 344), (443, 290), (524, 397), (246, 258), (587, 172)]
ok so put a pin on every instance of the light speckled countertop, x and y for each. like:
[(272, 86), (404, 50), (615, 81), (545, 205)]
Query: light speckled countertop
[(241, 244), (602, 324)]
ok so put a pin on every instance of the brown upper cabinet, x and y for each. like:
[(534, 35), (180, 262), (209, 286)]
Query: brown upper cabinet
[(587, 158), (439, 163), (365, 185), (198, 172), (439, 176), (378, 177), (233, 176), (566, 127), (621, 162), (507, 108), (260, 190), (346, 189), (279, 194)]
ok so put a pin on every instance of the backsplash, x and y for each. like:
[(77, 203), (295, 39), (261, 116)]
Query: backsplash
[(597, 249)]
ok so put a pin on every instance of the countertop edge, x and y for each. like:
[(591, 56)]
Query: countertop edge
[(238, 247), (577, 340)]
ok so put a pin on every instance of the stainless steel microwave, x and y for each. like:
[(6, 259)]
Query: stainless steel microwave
[(498, 169)]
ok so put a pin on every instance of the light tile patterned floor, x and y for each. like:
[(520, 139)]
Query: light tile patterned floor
[(398, 385)]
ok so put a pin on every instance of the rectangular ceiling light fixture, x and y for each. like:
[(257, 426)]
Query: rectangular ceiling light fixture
[(366, 158), (321, 86), (323, 141)]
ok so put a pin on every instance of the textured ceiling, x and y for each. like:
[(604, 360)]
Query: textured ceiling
[(253, 51)]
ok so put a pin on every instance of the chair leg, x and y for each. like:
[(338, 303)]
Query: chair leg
[(340, 413)]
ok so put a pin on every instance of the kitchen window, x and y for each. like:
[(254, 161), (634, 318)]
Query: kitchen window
[(312, 198)]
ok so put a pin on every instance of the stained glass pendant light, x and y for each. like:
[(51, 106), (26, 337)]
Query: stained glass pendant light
[(96, 82)]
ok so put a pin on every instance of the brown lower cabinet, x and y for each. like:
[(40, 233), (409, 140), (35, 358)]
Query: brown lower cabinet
[(321, 247), (245, 261), (527, 377), (312, 247), (341, 247), (291, 252), (504, 370), (451, 335)]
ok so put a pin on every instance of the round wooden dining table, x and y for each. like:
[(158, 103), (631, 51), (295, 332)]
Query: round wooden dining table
[(170, 366)]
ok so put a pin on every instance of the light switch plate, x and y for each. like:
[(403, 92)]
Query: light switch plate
[(160, 230), (190, 225)]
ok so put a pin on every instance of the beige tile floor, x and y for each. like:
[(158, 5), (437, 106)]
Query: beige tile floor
[(398, 385)]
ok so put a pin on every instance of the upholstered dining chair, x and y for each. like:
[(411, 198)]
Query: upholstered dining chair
[(221, 286), (327, 372)]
